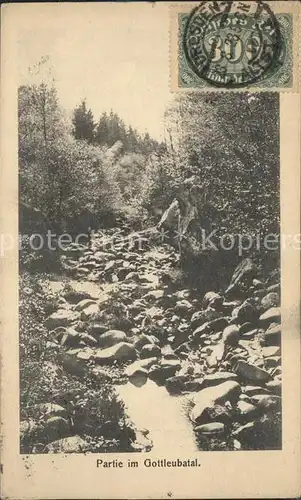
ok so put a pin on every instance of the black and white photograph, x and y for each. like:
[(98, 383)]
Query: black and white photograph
[(150, 240), (149, 265)]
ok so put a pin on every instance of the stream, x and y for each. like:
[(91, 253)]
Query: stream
[(163, 415)]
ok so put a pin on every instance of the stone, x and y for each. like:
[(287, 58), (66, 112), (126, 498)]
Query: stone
[(242, 277), (231, 335), (250, 334), (274, 288), (83, 304), (62, 317), (246, 411), (210, 412), (142, 340), (204, 328), (272, 350), (89, 311), (272, 362), (200, 317), (182, 294), (56, 427), (267, 402), (71, 444), (119, 352), (275, 386), (219, 394), (165, 370), (154, 295), (246, 312), (250, 390), (218, 324), (210, 429), (138, 377), (194, 385), (270, 300), (212, 299), (216, 355), (176, 384), (245, 327), (252, 372), (72, 364), (218, 378), (97, 328), (111, 337), (140, 364), (245, 432), (272, 335), (150, 351), (257, 284), (270, 316), (52, 409)]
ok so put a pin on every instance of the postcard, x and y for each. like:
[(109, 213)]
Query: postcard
[(150, 250)]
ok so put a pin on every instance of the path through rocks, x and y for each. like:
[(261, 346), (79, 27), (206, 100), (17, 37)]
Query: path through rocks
[(120, 315)]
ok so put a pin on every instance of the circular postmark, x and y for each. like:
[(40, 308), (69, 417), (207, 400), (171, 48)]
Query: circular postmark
[(231, 43)]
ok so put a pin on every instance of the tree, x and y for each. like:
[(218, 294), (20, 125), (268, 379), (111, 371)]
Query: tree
[(83, 123)]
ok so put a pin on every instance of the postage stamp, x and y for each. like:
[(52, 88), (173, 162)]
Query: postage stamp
[(235, 45)]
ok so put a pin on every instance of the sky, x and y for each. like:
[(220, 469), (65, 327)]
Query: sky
[(114, 55)]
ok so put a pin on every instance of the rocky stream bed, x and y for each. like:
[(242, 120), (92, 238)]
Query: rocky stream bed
[(194, 372)]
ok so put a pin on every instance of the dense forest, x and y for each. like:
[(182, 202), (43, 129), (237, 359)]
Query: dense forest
[(103, 165)]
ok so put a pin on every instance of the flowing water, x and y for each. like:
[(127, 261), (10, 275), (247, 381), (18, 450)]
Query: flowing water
[(164, 416)]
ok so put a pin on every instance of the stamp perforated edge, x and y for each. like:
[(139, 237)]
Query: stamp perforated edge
[(285, 7)]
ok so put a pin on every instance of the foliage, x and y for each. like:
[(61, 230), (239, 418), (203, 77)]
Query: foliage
[(232, 142), (83, 123)]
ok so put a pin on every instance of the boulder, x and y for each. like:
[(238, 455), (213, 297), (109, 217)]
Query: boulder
[(231, 335), (246, 312), (272, 315), (183, 307), (62, 317), (97, 328), (219, 394), (267, 402), (270, 300), (272, 350), (272, 335), (217, 378), (153, 295), (143, 340), (211, 412), (210, 429), (216, 355), (56, 427), (176, 384), (52, 409), (160, 373), (212, 299), (119, 352), (83, 304), (111, 337), (72, 444), (140, 364), (246, 411), (150, 351), (200, 317), (250, 390), (218, 324), (242, 277), (138, 377), (252, 372), (275, 386), (89, 311)]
